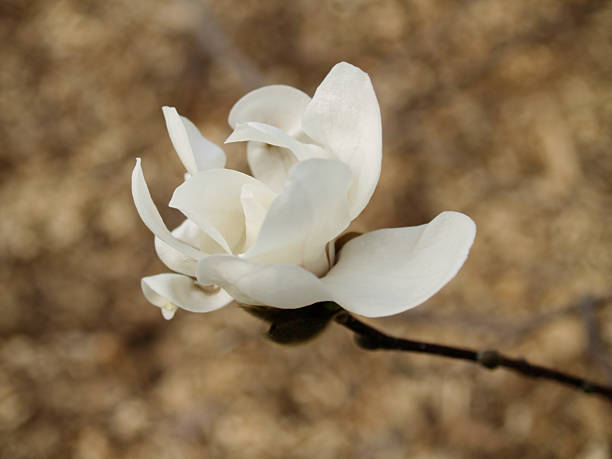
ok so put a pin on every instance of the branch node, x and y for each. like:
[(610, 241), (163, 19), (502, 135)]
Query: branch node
[(489, 359), (370, 338)]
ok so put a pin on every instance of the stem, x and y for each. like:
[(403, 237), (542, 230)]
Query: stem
[(370, 338)]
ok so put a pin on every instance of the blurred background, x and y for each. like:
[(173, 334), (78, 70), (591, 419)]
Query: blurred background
[(499, 109)]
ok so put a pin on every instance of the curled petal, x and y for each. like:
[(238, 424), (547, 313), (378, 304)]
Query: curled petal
[(171, 291), (279, 105), (151, 218), (388, 271), (344, 116), (211, 199), (280, 286), (310, 212), (271, 152), (196, 152), (265, 133)]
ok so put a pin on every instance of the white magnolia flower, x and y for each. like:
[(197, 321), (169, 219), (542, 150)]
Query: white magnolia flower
[(269, 239)]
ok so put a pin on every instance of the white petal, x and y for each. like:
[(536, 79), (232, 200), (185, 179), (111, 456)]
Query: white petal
[(279, 105), (310, 212), (189, 233), (391, 270), (270, 164), (281, 286), (265, 133), (195, 151), (255, 205), (211, 199), (150, 215), (344, 117), (170, 291)]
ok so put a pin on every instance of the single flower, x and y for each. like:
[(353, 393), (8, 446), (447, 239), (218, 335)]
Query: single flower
[(269, 239)]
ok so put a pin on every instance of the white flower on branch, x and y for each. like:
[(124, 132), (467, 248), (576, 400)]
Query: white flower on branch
[(269, 239)]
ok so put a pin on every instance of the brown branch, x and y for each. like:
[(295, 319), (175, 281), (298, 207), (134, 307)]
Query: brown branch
[(370, 338)]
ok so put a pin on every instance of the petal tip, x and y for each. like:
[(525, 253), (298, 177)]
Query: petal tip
[(232, 138), (347, 67), (460, 218), (238, 135), (168, 311)]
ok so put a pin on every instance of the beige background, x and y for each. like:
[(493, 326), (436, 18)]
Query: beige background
[(499, 109)]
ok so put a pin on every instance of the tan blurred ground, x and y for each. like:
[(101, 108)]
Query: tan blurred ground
[(501, 109)]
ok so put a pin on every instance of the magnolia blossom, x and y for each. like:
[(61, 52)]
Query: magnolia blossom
[(268, 239)]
